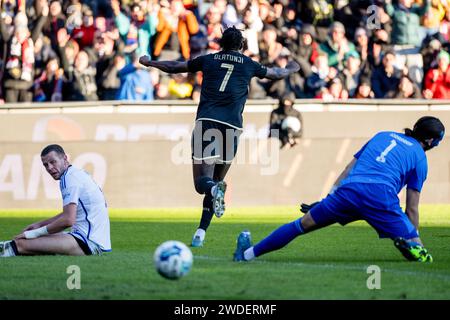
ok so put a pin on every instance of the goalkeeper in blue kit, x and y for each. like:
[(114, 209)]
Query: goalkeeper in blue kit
[(368, 190)]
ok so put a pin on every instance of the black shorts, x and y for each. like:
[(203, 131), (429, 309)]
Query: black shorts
[(87, 251), (214, 142)]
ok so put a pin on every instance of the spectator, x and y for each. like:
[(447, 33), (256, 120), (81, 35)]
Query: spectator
[(81, 80), (337, 46), (433, 17), (161, 88), (386, 76), (109, 31), (84, 34), (6, 32), (108, 66), (407, 36), (406, 89), (269, 47), (286, 122), (19, 71), (291, 24), (351, 13), (136, 83), (430, 50), (10, 6), (364, 90), (253, 26), (362, 44), (175, 19), (50, 84), (444, 28), (351, 75), (74, 16), (437, 81), (179, 87), (319, 13), (234, 12), (43, 53), (38, 18), (365, 50), (222, 5), (39, 14), (333, 91), (214, 27), (382, 21), (307, 50), (137, 30), (67, 50), (267, 13), (294, 83), (378, 45), (406, 21), (320, 76), (56, 21)]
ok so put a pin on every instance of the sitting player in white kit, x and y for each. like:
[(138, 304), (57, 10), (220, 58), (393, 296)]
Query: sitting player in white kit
[(84, 211)]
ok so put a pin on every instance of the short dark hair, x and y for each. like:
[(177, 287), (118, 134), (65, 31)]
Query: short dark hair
[(52, 147), (232, 39), (427, 128), (389, 51), (288, 95)]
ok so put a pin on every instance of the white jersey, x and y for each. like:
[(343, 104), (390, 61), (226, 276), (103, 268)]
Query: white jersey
[(92, 221)]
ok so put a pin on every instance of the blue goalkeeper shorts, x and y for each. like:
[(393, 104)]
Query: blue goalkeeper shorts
[(378, 204)]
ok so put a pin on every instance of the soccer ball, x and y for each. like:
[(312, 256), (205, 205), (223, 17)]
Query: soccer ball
[(291, 123), (173, 259)]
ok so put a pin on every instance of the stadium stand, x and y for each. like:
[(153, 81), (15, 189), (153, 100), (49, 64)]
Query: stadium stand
[(84, 50)]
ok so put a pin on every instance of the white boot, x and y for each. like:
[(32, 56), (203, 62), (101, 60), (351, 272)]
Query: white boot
[(6, 249)]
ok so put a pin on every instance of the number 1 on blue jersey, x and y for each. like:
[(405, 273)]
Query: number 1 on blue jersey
[(382, 156)]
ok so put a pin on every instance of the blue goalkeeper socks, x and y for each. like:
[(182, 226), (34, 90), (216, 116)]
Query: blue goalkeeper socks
[(279, 238)]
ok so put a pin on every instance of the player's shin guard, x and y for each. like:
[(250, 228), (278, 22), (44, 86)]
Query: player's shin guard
[(204, 184), (279, 238), (207, 212)]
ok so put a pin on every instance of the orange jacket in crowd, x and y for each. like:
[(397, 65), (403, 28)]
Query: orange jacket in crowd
[(186, 26), (439, 83), (435, 15)]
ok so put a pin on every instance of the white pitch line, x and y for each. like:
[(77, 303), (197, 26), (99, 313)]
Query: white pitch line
[(442, 276)]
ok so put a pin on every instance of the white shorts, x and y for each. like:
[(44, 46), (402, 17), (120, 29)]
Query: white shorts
[(89, 247)]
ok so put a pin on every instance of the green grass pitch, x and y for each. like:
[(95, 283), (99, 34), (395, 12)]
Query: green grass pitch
[(326, 264)]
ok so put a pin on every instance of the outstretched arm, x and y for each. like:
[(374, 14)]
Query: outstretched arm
[(343, 175), (276, 73), (166, 66), (412, 206)]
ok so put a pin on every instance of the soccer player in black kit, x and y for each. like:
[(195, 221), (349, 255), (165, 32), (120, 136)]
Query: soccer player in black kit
[(226, 77)]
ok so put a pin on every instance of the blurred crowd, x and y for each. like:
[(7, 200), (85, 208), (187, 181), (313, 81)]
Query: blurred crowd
[(88, 50)]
